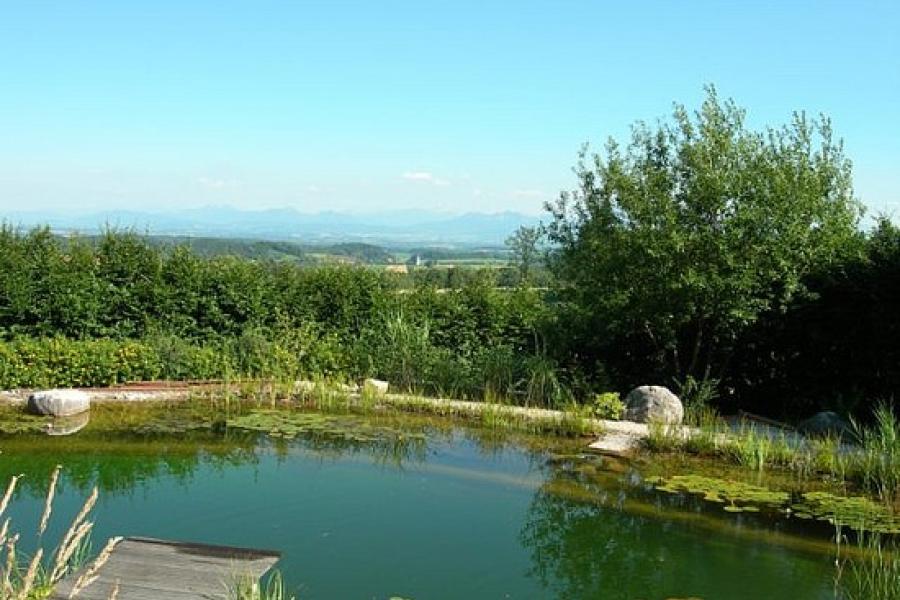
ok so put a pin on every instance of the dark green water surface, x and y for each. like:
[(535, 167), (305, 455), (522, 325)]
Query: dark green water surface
[(434, 512)]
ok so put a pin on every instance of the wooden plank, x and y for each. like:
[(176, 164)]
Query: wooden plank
[(151, 569)]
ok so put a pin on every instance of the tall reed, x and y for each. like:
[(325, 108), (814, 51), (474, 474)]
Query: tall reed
[(249, 588), (36, 578), (878, 463), (873, 573)]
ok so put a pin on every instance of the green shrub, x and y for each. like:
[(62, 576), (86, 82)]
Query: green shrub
[(61, 362), (608, 406)]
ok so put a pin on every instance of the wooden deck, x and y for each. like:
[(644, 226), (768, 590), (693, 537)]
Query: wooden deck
[(150, 569)]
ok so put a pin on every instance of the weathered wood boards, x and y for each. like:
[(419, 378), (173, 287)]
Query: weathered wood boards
[(150, 569)]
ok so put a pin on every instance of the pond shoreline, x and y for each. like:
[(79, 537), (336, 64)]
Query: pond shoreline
[(618, 438)]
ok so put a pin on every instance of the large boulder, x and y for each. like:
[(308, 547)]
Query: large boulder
[(653, 403), (825, 423), (59, 403)]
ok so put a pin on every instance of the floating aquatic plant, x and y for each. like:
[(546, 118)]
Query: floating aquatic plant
[(738, 496), (857, 512), (285, 424)]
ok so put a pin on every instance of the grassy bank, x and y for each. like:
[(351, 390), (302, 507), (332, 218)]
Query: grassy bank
[(867, 460)]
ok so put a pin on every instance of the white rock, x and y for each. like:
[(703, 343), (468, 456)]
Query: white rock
[(653, 403), (59, 403), (376, 386)]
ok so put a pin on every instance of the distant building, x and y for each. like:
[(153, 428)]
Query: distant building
[(415, 260)]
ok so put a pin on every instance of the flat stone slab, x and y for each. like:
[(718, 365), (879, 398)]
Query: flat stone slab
[(151, 569), (620, 438), (617, 443)]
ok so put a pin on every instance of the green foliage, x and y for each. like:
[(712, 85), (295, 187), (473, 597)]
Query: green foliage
[(697, 394), (245, 587), (662, 437), (122, 286), (878, 465), (30, 363), (735, 495), (700, 251), (608, 405), (751, 448), (121, 307), (673, 245), (399, 351), (835, 348), (524, 252), (873, 573), (542, 386)]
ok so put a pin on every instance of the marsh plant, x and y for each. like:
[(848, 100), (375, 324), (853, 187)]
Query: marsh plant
[(873, 573), (542, 386), (249, 588), (872, 464), (27, 578), (752, 448), (662, 437), (877, 465)]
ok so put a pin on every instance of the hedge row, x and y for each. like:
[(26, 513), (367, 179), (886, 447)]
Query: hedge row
[(63, 362)]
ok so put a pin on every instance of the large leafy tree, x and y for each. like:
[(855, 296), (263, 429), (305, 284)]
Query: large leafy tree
[(674, 243)]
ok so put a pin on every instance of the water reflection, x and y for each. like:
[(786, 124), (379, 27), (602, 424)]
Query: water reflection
[(119, 449), (551, 524), (68, 425), (606, 536)]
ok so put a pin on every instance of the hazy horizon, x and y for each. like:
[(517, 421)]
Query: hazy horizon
[(360, 107)]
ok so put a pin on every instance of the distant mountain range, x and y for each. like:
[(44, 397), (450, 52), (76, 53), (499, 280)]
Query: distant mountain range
[(406, 227)]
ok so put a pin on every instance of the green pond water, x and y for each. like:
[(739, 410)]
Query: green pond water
[(374, 507)]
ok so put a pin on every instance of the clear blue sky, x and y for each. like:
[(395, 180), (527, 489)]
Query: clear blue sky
[(380, 105)]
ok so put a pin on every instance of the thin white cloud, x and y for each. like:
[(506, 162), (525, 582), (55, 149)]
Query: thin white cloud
[(424, 177), (529, 194), (213, 183)]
